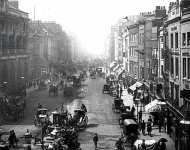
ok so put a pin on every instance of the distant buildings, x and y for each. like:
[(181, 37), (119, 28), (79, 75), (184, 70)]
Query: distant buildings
[(29, 50)]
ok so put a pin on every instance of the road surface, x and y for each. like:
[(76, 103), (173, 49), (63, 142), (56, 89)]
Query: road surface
[(102, 120)]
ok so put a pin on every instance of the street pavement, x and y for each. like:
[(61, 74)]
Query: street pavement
[(156, 135), (102, 119), (34, 97)]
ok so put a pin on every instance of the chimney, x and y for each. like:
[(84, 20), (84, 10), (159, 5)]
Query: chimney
[(14, 3)]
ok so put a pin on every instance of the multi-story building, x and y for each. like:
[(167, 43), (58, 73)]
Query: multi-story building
[(152, 22), (133, 47), (13, 46), (185, 75), (161, 61), (141, 50), (37, 47), (173, 27)]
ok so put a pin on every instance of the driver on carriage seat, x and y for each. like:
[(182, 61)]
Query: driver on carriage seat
[(39, 105), (83, 107)]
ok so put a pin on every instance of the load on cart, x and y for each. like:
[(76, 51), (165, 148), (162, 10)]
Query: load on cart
[(41, 116)]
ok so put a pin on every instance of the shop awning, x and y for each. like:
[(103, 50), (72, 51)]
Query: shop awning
[(115, 68), (185, 122), (134, 86), (113, 63), (120, 71), (154, 106)]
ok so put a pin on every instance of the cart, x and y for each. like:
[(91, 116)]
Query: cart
[(41, 117)]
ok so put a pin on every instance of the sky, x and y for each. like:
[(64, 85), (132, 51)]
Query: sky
[(89, 20)]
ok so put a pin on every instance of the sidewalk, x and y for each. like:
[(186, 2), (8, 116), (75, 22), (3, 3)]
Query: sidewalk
[(156, 135)]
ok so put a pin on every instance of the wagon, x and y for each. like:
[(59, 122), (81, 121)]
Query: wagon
[(130, 131), (117, 105), (41, 117), (80, 119), (105, 88)]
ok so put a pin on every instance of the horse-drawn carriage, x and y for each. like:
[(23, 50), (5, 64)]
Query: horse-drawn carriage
[(41, 117), (59, 118), (61, 139), (106, 88), (126, 115), (79, 119), (117, 105), (130, 132)]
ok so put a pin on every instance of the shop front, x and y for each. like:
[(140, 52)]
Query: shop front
[(178, 126)]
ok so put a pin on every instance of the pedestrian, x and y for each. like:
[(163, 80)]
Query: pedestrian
[(143, 127), (162, 145), (149, 128), (11, 139), (121, 90), (140, 116), (159, 125), (143, 145), (133, 111), (150, 119), (14, 137), (165, 124), (95, 140)]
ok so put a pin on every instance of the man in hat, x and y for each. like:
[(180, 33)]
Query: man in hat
[(95, 140)]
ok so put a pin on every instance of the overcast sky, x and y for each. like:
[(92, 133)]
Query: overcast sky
[(90, 20)]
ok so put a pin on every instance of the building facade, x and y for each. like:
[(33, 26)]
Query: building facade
[(13, 47), (133, 47)]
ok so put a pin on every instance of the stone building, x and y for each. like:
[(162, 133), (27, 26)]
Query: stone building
[(13, 46), (49, 46), (37, 47)]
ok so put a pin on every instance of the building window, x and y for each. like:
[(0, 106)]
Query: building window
[(183, 39), (161, 39), (176, 40), (184, 67), (172, 66), (162, 69), (172, 38), (176, 67), (188, 38), (188, 68)]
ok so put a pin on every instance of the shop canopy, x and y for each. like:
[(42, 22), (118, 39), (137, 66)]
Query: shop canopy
[(115, 68), (154, 106), (134, 86), (120, 71), (113, 63)]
